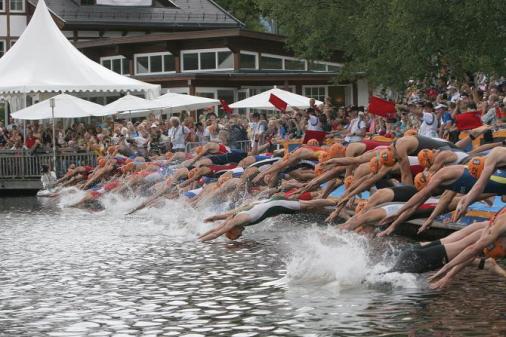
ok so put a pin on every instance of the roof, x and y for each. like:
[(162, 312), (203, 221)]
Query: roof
[(163, 14), (44, 60), (174, 36)]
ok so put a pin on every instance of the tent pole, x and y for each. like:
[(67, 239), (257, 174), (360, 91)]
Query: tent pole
[(51, 102)]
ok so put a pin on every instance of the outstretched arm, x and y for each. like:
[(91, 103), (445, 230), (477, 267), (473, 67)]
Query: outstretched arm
[(488, 237), (441, 207)]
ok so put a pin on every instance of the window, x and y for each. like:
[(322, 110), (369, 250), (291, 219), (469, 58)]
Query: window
[(271, 63), (87, 2), (249, 61), (191, 61), (118, 64), (156, 63), (317, 93), (12, 43), (17, 5), (207, 59), (333, 68), (295, 64), (225, 60), (2, 5), (317, 67), (2, 48)]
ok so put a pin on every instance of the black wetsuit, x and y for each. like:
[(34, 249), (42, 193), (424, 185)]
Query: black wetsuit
[(235, 156), (421, 259), (402, 193), (431, 144)]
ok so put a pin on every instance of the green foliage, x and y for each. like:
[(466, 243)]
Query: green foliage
[(245, 10), (395, 40)]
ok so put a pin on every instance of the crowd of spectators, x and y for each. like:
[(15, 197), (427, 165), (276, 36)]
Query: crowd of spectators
[(431, 110)]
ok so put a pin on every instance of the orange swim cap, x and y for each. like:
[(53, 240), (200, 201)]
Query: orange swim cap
[(421, 181), (111, 150), (192, 173), (101, 162), (387, 157), (348, 181), (313, 142), (337, 150), (224, 178), (235, 233), (426, 158), (360, 206), (318, 170), (410, 132), (324, 156), (374, 164), (169, 155), (199, 149), (476, 166)]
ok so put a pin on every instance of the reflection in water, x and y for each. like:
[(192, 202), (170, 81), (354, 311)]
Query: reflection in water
[(74, 273)]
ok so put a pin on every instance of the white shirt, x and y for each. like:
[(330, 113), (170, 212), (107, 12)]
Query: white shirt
[(314, 124), (48, 180), (258, 129), (355, 126), (429, 125), (177, 137)]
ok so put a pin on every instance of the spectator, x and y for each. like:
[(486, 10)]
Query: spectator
[(178, 135), (357, 128)]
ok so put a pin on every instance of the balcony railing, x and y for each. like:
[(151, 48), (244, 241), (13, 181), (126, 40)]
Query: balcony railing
[(24, 165)]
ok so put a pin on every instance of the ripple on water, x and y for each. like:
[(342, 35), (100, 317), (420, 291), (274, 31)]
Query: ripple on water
[(71, 273)]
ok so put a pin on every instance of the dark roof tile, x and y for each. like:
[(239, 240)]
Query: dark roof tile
[(187, 13)]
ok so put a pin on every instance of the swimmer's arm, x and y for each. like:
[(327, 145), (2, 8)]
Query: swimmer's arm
[(366, 184), (443, 282), (347, 194), (442, 206), (409, 208), (486, 147), (479, 187), (331, 186), (317, 181), (406, 176), (488, 237), (276, 168)]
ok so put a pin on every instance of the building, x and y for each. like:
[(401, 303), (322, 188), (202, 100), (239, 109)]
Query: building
[(187, 46)]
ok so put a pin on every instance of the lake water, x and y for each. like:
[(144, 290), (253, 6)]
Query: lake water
[(66, 272)]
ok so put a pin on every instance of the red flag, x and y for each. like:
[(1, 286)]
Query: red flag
[(225, 107), (381, 107), (468, 120), (278, 102)]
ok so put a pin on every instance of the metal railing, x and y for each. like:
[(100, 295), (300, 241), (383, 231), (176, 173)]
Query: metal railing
[(24, 165), (244, 145)]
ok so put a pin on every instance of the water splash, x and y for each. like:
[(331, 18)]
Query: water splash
[(336, 259)]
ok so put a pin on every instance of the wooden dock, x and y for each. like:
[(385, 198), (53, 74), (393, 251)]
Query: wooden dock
[(21, 170)]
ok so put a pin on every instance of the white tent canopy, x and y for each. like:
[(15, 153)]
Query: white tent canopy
[(66, 106), (173, 102), (178, 102), (261, 101), (43, 60), (126, 103)]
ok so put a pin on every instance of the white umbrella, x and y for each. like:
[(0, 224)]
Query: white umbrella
[(61, 106), (177, 102), (261, 101), (65, 106), (127, 103)]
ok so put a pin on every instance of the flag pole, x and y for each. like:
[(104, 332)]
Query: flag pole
[(52, 104)]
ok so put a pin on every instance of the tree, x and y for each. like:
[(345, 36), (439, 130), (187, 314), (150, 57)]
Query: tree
[(396, 40), (247, 11)]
